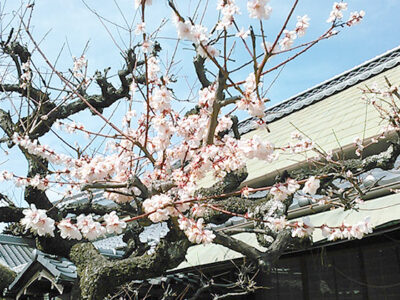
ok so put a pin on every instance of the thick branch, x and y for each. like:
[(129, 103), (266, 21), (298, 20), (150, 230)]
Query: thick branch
[(237, 245), (37, 165), (95, 271), (6, 277), (228, 184), (10, 214), (6, 123), (384, 160), (30, 92), (201, 71), (219, 97), (265, 260), (235, 205), (87, 208), (276, 249)]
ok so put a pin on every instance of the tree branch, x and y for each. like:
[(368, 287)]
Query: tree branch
[(198, 62), (95, 271), (10, 214)]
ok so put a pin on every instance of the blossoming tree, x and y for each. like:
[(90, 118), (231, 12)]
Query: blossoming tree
[(151, 161)]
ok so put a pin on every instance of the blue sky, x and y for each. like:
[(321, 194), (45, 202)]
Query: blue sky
[(379, 32), (72, 22)]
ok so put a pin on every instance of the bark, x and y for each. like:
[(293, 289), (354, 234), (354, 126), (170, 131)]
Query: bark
[(228, 184), (6, 277), (10, 214), (384, 160), (100, 277)]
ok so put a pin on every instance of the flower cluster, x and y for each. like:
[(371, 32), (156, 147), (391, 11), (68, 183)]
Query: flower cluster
[(140, 28), (288, 38), (228, 9), (251, 101), (37, 221), (27, 75), (257, 148), (359, 146), (355, 18), (80, 65), (113, 223), (311, 185), (281, 191), (68, 230), (195, 231), (337, 11), (348, 231), (259, 9), (159, 208), (192, 32), (303, 228), (300, 143), (302, 25)]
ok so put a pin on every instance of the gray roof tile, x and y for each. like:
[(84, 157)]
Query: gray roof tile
[(334, 85)]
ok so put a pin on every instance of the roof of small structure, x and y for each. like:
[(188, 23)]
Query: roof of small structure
[(15, 252), (20, 255)]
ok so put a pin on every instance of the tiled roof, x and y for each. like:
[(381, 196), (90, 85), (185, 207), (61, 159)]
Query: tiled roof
[(327, 88), (59, 267), (97, 198), (15, 251)]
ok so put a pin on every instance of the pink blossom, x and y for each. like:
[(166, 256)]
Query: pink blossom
[(242, 33), (336, 12), (279, 191), (157, 206), (292, 185), (197, 234), (198, 210), (147, 46), (184, 30), (200, 34), (113, 223), (258, 9), (79, 65), (89, 228), (161, 99), (287, 41), (37, 220), (245, 192), (208, 51), (303, 228), (228, 10), (140, 28), (277, 224), (69, 230), (355, 18), (311, 186), (256, 148), (224, 123), (302, 25)]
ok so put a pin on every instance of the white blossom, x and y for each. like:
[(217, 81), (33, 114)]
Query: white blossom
[(37, 220), (113, 223), (258, 9), (311, 185), (69, 230)]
